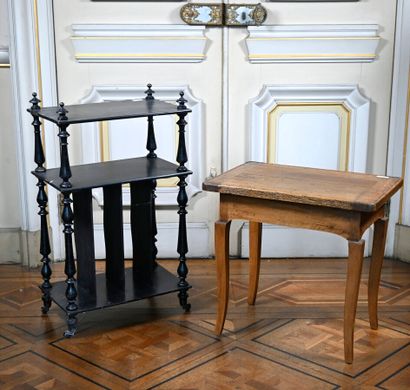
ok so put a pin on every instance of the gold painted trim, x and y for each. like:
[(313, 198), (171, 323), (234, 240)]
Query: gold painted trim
[(104, 142), (342, 55), (105, 153), (4, 65), (309, 38), (132, 55), (404, 162), (340, 109), (318, 103), (109, 38), (39, 71)]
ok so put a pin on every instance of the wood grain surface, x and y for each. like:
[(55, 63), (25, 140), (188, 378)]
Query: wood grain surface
[(321, 187), (293, 337)]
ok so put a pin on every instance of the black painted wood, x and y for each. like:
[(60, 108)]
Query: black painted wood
[(42, 201), (44, 247), (182, 156), (151, 143), (149, 92), (182, 246), (161, 282), (112, 172), (116, 286), (114, 237), (154, 221), (93, 112), (65, 169), (182, 200), (38, 145), (84, 240), (69, 269), (142, 229)]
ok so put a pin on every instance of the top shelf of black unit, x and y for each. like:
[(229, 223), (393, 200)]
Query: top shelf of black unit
[(94, 112)]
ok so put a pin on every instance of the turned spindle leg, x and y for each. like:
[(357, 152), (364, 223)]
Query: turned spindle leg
[(42, 204), (38, 145), (379, 242), (182, 247), (182, 199), (151, 143), (255, 240), (354, 271), (44, 247), (65, 170), (151, 147), (69, 269)]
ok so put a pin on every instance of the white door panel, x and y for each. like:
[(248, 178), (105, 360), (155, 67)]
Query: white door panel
[(309, 139)]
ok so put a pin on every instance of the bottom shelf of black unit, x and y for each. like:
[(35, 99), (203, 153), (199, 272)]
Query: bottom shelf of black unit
[(159, 282)]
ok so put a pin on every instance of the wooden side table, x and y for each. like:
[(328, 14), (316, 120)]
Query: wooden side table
[(338, 202)]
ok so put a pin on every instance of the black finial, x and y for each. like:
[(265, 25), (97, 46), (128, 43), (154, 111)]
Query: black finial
[(149, 92), (34, 101), (62, 112), (181, 101)]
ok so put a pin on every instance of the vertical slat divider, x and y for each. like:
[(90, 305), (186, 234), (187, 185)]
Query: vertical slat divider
[(114, 240), (142, 229), (84, 242)]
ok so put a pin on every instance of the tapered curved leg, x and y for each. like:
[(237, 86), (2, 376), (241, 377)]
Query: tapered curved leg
[(379, 242), (222, 270), (255, 239), (354, 271)]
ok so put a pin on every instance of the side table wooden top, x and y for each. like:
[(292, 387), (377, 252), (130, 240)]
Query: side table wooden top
[(320, 187)]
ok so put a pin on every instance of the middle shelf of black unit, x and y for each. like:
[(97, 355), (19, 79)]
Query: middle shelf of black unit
[(112, 172)]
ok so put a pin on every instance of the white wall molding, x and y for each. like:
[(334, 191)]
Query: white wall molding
[(348, 95), (402, 243), (90, 136), (138, 43), (10, 244), (313, 43), (4, 57), (397, 163), (24, 82), (197, 232)]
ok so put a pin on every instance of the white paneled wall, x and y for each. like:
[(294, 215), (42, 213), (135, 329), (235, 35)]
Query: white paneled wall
[(234, 78), (313, 43)]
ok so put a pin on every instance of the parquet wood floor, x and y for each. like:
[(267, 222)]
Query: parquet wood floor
[(291, 339)]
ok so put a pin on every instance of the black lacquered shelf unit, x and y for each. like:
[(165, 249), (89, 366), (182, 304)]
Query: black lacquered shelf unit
[(83, 290)]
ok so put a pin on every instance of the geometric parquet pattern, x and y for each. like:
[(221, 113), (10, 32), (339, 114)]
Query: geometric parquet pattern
[(291, 339)]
